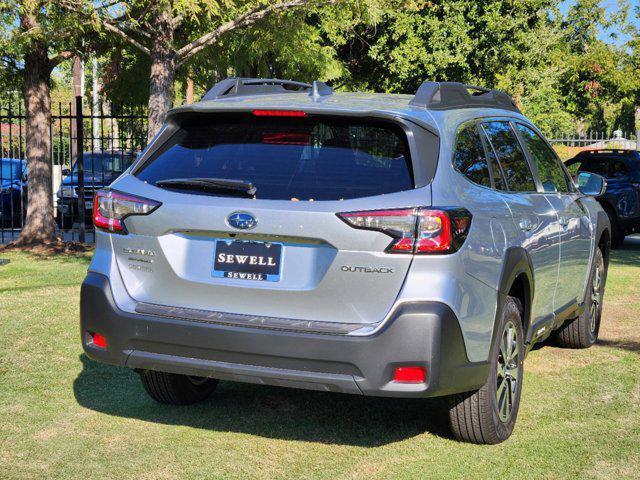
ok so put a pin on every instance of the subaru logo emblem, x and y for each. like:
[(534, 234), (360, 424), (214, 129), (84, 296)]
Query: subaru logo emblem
[(242, 220)]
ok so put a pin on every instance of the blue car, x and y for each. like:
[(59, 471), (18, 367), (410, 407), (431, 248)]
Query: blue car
[(13, 191), (100, 169), (621, 200)]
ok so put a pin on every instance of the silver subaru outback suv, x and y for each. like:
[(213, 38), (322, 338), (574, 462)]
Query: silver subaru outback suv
[(279, 233)]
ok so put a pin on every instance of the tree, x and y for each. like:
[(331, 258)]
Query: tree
[(560, 69), (600, 79), (36, 36), (632, 66), (156, 29), (291, 45)]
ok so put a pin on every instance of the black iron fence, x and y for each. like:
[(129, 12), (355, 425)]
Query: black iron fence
[(88, 151), (616, 139)]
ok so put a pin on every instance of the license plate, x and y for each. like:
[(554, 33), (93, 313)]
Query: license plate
[(244, 260), (88, 205)]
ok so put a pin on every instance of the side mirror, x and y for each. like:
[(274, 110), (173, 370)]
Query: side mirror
[(66, 172), (591, 184)]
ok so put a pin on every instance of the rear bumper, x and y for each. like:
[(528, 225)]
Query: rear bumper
[(420, 333)]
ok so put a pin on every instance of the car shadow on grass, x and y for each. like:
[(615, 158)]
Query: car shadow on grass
[(629, 252), (273, 412), (628, 345)]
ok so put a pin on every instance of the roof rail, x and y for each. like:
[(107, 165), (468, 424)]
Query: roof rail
[(448, 95), (238, 87)]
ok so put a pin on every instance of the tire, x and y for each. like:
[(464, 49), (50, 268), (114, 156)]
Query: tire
[(173, 389), (582, 332), (488, 415), (617, 233)]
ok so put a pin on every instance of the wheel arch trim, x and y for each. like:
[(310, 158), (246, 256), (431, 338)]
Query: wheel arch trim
[(516, 264)]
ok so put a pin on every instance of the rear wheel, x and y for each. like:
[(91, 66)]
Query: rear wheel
[(582, 332), (174, 389), (488, 415)]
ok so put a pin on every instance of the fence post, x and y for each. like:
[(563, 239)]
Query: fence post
[(80, 163)]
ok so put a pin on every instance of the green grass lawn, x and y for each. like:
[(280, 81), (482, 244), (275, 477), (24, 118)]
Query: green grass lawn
[(65, 416)]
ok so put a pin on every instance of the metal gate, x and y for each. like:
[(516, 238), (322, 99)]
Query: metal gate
[(88, 152)]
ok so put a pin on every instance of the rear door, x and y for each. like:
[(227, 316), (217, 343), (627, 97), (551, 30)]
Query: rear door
[(281, 251), (536, 221), (573, 218)]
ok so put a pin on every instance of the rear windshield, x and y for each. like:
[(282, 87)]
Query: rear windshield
[(300, 158)]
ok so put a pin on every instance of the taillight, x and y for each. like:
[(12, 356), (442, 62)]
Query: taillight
[(416, 230), (111, 208)]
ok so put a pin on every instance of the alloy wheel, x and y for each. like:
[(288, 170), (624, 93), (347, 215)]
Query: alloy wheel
[(596, 298), (507, 375)]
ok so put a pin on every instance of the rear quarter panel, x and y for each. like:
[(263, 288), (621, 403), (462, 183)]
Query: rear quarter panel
[(466, 281)]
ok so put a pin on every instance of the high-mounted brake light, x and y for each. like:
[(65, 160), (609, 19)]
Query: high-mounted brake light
[(279, 113), (416, 230), (111, 208)]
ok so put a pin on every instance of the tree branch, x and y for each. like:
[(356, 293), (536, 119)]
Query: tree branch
[(54, 61), (139, 31), (104, 6), (243, 20), (122, 34), (107, 25)]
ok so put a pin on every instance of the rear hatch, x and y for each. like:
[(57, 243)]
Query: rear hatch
[(248, 220)]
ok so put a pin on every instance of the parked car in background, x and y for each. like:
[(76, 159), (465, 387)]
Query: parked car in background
[(388, 245), (13, 192), (621, 199), (100, 169)]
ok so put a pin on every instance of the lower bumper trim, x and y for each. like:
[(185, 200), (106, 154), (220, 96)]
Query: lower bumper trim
[(244, 373), (254, 321)]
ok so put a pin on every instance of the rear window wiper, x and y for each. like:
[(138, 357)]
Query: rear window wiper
[(210, 185)]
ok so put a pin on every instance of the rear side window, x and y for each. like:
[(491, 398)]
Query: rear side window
[(469, 158), (301, 158), (511, 157), (550, 172)]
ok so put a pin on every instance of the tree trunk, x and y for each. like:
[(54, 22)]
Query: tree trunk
[(77, 70), (39, 225), (189, 88), (163, 68), (96, 137)]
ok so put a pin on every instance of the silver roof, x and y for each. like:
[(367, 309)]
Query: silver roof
[(342, 103)]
